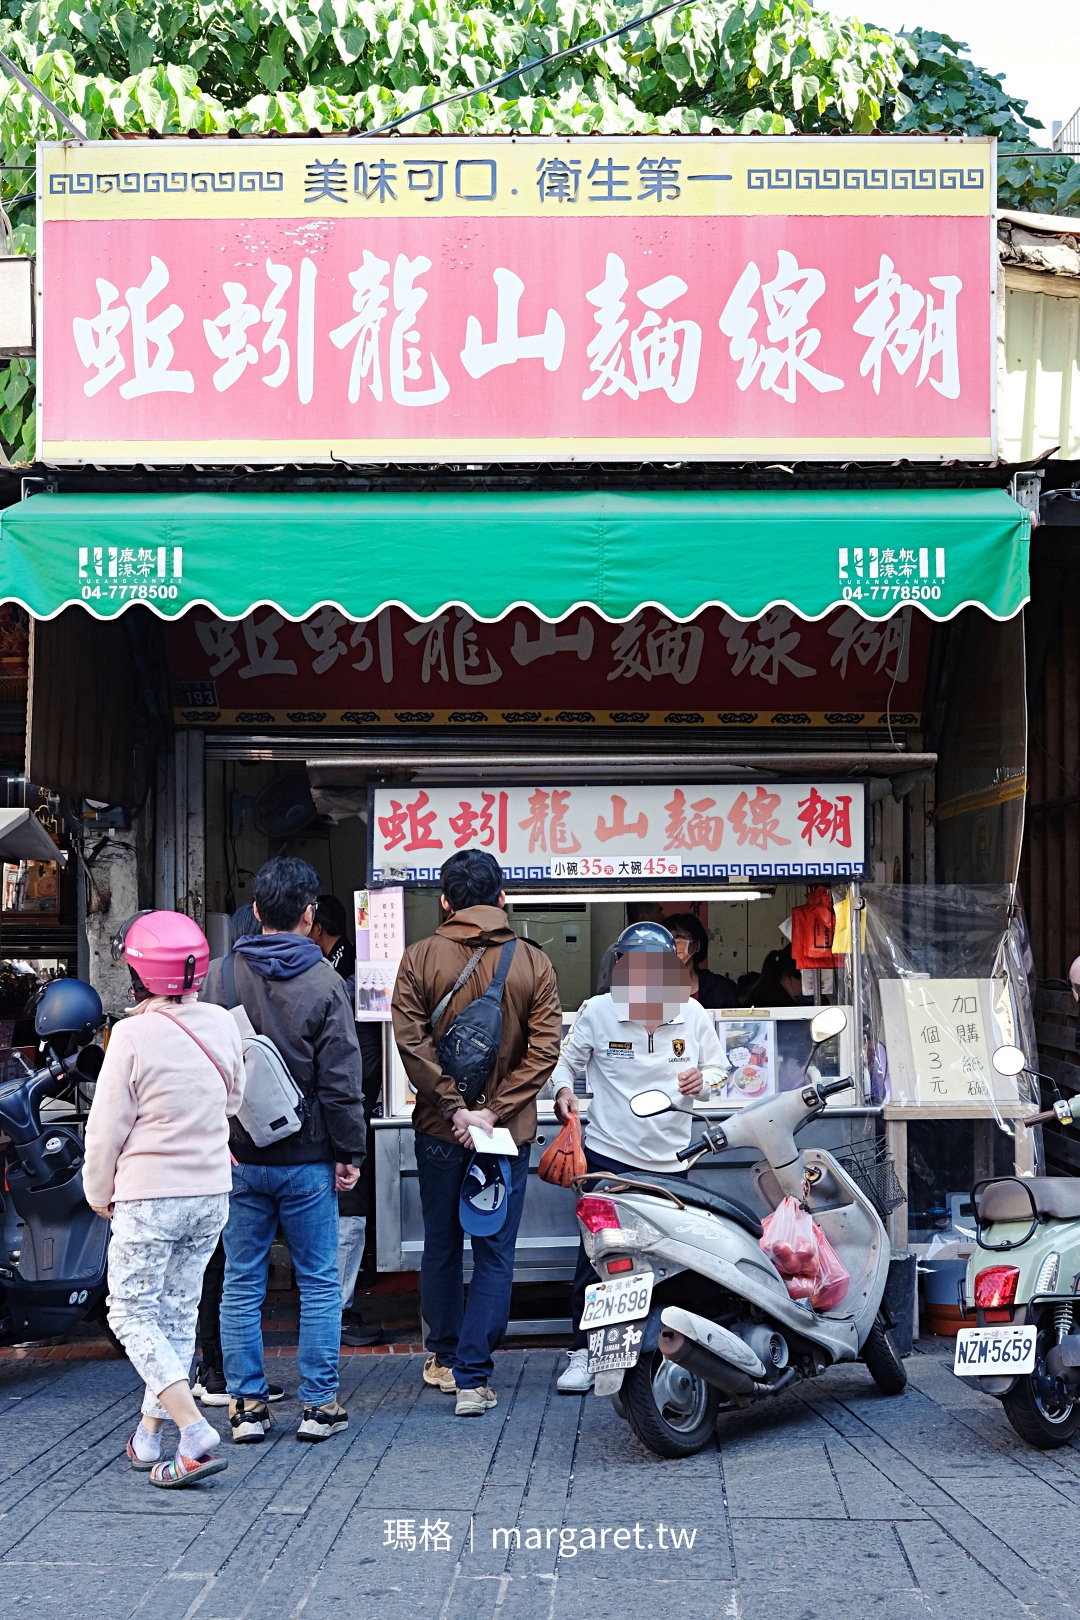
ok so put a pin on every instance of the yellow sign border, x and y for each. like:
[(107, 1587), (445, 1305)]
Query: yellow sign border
[(484, 176)]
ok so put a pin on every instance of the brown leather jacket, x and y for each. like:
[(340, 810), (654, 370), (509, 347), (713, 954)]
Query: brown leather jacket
[(532, 1020)]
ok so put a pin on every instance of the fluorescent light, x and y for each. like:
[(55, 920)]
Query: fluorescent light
[(545, 897)]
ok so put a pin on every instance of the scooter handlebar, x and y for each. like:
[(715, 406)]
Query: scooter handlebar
[(829, 1088), (1044, 1118)]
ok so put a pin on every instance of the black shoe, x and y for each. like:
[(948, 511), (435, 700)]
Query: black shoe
[(249, 1420), (355, 1332), (208, 1386), (320, 1422)]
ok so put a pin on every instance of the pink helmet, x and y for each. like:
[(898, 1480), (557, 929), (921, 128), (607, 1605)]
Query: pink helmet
[(166, 951)]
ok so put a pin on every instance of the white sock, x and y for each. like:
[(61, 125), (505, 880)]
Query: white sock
[(197, 1439), (146, 1446)]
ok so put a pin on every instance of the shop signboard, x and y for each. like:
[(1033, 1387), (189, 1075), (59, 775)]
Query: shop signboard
[(516, 298), (653, 833), (778, 671)]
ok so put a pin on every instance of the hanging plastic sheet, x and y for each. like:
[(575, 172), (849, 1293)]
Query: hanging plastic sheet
[(944, 984)]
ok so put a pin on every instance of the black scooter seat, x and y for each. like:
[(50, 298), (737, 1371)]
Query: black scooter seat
[(696, 1197)]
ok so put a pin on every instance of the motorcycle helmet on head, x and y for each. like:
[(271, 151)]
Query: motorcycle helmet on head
[(645, 936), (68, 1012), (167, 953)]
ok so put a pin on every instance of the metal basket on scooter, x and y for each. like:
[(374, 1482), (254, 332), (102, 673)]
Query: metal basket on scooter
[(873, 1170)]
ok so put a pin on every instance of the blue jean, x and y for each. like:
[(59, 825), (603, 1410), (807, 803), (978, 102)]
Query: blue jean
[(463, 1335), (301, 1199)]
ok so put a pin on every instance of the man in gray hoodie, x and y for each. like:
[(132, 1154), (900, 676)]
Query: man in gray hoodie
[(292, 996)]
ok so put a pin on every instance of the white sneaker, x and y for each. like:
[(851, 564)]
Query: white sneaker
[(577, 1379)]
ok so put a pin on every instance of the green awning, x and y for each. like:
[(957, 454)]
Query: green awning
[(617, 552)]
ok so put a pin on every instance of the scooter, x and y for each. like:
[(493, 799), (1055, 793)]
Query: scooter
[(690, 1317), (1025, 1347), (56, 1275)]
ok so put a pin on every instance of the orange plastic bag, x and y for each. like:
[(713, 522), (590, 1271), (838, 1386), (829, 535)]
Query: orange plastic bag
[(812, 927), (833, 1280), (564, 1160), (788, 1240)]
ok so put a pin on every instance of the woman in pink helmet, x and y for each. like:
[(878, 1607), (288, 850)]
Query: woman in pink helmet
[(158, 1166)]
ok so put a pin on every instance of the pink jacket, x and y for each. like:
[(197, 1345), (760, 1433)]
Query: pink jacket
[(158, 1126)]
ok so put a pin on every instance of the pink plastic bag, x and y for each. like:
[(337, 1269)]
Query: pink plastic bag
[(804, 1257), (788, 1240), (833, 1279)]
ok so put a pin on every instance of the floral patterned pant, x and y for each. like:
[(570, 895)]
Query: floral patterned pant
[(157, 1257)]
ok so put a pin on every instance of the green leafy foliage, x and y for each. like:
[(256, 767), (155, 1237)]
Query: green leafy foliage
[(950, 94)]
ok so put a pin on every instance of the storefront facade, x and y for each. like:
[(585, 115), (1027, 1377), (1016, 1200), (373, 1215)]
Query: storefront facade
[(707, 687)]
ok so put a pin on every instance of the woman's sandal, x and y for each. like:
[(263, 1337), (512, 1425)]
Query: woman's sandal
[(135, 1460), (179, 1471)]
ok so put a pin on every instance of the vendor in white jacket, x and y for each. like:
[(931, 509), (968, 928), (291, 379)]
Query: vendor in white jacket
[(646, 1034)]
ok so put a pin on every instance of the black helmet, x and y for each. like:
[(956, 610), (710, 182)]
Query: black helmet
[(68, 1007), (644, 936)]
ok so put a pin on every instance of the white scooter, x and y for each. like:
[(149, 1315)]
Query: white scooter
[(690, 1317)]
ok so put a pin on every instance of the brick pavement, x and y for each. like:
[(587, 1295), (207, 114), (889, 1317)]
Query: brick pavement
[(830, 1504)]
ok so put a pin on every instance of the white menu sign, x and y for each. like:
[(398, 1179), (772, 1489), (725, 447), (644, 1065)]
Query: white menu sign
[(380, 945), (940, 1035), (642, 833)]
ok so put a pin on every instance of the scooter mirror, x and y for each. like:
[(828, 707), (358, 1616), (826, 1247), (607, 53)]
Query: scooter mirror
[(648, 1103), (828, 1022), (1009, 1061), (90, 1059)]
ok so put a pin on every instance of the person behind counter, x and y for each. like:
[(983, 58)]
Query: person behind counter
[(329, 933), (692, 946), (779, 984)]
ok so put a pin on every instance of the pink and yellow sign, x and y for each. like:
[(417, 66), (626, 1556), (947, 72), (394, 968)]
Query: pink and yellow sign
[(516, 298)]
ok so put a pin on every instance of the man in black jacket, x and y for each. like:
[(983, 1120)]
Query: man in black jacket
[(292, 996)]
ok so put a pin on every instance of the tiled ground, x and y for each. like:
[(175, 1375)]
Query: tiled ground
[(832, 1503)]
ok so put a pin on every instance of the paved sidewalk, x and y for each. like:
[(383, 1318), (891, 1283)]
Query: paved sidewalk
[(831, 1504)]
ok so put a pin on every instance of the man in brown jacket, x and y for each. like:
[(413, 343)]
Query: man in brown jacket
[(461, 1337)]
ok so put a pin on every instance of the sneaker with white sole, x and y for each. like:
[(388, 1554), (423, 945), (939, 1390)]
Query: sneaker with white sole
[(577, 1379), (249, 1420), (438, 1376), (475, 1402), (320, 1422), (209, 1386)]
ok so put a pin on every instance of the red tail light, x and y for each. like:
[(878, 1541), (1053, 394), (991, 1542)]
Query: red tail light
[(615, 1266), (996, 1287), (598, 1214)]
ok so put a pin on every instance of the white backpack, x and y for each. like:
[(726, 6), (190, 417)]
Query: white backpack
[(274, 1106)]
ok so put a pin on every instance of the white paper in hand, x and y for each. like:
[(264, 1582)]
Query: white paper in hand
[(500, 1140)]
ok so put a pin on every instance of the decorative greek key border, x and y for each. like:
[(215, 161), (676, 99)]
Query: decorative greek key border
[(157, 183), (863, 179), (735, 869)]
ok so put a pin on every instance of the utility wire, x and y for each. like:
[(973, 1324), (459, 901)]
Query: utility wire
[(524, 67), (35, 90)]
